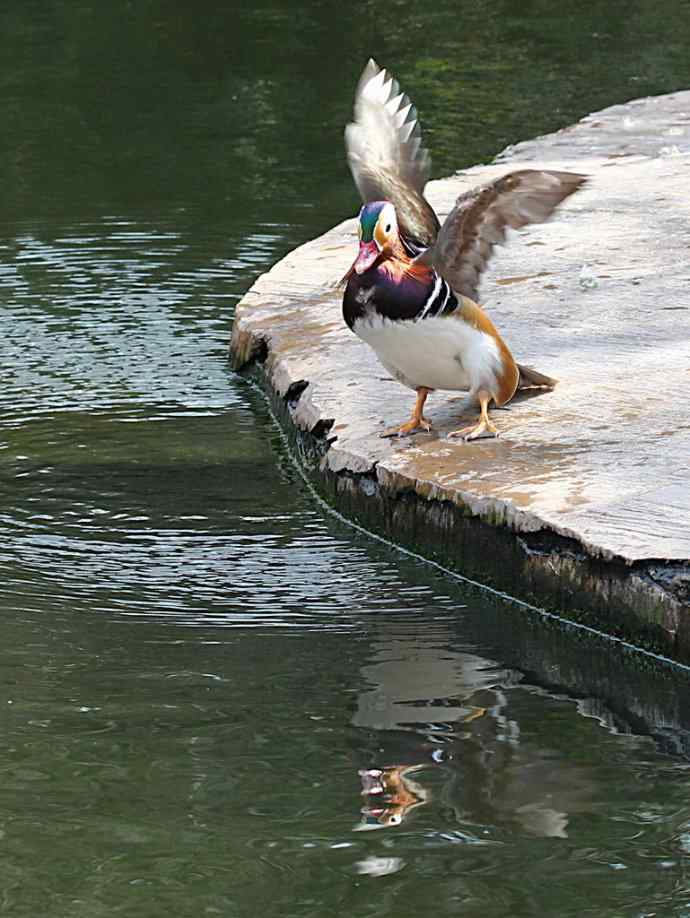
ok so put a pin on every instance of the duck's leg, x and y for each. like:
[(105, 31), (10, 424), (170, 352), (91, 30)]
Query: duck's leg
[(417, 421), (484, 428)]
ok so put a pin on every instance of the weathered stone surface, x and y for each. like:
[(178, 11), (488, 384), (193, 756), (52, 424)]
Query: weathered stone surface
[(599, 298)]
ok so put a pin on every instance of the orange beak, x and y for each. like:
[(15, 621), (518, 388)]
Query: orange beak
[(368, 253)]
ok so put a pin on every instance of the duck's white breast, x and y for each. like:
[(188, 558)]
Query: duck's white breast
[(439, 353)]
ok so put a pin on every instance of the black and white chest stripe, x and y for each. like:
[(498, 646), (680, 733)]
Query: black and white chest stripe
[(441, 300)]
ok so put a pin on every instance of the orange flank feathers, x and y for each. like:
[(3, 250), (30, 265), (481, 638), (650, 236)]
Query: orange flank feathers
[(507, 380)]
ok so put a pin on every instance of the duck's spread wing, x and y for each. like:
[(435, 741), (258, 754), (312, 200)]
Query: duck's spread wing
[(480, 217), (386, 155)]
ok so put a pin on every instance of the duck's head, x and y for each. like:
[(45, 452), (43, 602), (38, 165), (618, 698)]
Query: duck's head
[(378, 234)]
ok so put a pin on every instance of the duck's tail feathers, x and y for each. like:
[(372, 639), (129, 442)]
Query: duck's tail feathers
[(533, 379)]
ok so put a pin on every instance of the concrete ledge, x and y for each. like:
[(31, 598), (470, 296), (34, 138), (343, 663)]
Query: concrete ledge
[(583, 504)]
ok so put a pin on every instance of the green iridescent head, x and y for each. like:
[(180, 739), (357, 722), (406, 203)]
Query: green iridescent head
[(378, 231), (377, 222)]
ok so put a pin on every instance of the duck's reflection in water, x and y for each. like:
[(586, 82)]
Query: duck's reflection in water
[(451, 720), (392, 795)]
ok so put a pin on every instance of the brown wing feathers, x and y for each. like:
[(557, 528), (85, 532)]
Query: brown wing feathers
[(480, 218)]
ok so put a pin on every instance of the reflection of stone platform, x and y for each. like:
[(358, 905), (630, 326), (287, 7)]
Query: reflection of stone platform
[(583, 504)]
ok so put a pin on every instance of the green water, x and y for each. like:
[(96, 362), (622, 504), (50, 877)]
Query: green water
[(196, 661)]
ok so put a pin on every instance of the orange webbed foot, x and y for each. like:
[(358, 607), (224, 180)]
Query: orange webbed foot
[(414, 425), (417, 422), (484, 429)]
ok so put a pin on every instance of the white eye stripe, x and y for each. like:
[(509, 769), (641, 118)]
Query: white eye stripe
[(387, 222)]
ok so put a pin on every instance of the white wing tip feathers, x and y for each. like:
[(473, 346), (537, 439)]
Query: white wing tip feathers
[(386, 127)]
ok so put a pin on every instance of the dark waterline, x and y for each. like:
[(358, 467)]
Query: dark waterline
[(196, 661)]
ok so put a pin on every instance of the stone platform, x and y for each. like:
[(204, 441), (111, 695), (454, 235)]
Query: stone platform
[(583, 503)]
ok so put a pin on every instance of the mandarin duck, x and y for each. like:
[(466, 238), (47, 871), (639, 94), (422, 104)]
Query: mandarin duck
[(411, 292)]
